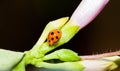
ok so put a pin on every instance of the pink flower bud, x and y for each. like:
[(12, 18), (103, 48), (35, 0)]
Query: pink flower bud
[(87, 11)]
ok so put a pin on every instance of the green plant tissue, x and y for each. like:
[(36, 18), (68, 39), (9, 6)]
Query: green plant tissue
[(8, 59)]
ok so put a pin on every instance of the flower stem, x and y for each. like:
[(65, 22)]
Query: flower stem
[(98, 56)]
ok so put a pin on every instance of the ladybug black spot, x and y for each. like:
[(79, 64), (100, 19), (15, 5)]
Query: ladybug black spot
[(52, 33), (52, 38), (49, 41), (56, 37), (58, 32)]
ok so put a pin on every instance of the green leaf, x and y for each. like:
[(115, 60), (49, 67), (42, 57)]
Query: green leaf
[(8, 59), (63, 55)]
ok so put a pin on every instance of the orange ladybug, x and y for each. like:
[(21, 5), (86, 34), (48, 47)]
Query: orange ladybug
[(54, 36)]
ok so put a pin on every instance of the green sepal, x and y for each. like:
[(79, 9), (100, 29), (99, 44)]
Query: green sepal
[(63, 55), (68, 31), (56, 24)]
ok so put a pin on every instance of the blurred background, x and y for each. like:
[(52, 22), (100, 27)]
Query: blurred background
[(22, 22)]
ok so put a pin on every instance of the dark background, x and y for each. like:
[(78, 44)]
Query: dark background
[(22, 21)]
